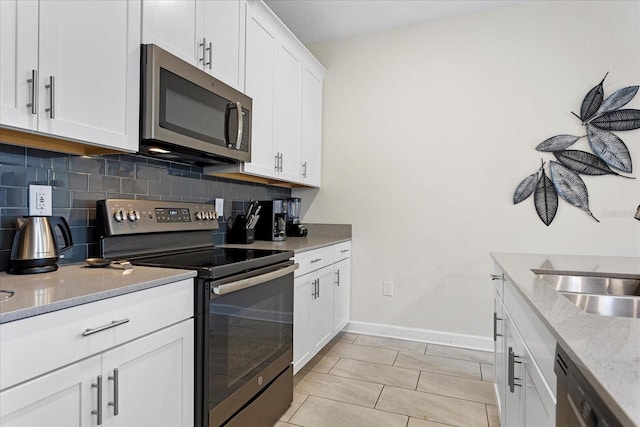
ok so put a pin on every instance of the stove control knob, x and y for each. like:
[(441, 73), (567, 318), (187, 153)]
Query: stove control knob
[(209, 215), (214, 214), (199, 216), (133, 215), (119, 215)]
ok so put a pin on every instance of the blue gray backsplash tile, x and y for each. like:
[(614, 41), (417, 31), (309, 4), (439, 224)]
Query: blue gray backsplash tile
[(79, 181)]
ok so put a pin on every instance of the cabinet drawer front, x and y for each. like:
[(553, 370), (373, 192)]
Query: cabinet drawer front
[(313, 260), (540, 342), (342, 251), (39, 344)]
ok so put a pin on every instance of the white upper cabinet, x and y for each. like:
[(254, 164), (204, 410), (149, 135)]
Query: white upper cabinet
[(259, 77), (172, 25), (207, 34), (19, 64), (224, 32), (312, 124), (285, 82), (72, 69)]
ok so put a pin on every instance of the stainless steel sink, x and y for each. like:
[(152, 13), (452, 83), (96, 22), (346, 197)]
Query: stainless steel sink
[(606, 305), (618, 286)]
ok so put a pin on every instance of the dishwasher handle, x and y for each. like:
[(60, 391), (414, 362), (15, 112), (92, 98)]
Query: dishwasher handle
[(253, 281)]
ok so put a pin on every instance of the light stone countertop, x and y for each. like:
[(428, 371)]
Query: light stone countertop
[(605, 349), (319, 236), (76, 284)]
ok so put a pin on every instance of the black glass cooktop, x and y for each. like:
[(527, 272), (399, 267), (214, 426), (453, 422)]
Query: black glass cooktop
[(216, 262)]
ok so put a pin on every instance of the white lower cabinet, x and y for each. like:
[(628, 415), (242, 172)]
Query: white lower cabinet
[(525, 390), (61, 398), (321, 300), (145, 381)]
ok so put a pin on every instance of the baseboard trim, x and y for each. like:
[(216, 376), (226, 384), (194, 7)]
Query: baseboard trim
[(473, 342)]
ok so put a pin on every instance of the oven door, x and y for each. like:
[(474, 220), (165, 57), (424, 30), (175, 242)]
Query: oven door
[(250, 337)]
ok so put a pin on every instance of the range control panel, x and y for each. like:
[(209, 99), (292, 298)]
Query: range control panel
[(126, 216)]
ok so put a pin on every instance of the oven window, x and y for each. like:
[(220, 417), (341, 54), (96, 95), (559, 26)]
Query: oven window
[(248, 330), (191, 110)]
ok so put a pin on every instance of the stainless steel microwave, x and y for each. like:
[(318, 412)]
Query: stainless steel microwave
[(187, 115)]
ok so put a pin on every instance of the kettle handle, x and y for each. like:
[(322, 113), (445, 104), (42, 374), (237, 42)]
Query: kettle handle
[(61, 223)]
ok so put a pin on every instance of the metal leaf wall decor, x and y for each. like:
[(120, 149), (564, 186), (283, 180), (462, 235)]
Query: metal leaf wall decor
[(601, 117)]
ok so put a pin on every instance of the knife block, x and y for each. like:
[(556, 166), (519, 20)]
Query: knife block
[(239, 233)]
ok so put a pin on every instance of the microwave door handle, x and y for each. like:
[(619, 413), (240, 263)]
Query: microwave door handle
[(240, 125)]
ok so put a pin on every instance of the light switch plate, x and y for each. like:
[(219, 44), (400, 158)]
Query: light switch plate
[(40, 200)]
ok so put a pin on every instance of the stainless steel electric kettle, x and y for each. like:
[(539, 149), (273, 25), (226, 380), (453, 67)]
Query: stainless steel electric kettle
[(35, 249)]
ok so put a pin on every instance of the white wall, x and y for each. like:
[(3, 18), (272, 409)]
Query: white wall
[(429, 129)]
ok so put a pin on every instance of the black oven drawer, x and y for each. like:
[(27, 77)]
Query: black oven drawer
[(267, 407)]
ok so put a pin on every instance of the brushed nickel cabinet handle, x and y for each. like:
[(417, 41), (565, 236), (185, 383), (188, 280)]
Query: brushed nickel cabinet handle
[(304, 166), (203, 45), (114, 403), (338, 277), (496, 276), (495, 326), (98, 412), (511, 378), (52, 97), (113, 324), (34, 92), (313, 261), (210, 49)]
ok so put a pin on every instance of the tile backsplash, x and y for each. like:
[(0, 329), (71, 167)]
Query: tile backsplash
[(78, 181)]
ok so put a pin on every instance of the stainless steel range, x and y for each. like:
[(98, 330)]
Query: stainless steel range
[(243, 305)]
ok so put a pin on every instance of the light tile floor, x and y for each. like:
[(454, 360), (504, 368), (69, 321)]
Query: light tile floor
[(366, 381)]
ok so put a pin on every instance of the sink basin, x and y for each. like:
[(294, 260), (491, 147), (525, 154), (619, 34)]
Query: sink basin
[(618, 286), (606, 305)]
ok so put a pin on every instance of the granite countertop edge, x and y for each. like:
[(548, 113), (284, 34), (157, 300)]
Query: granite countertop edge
[(30, 287), (320, 236), (605, 349)]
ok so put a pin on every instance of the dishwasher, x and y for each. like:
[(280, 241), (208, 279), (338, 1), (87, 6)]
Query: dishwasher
[(579, 404)]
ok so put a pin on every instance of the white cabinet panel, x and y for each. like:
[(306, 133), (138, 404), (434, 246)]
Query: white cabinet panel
[(173, 25), (19, 53), (61, 398), (288, 112), (260, 66), (321, 304), (525, 393), (312, 125), (87, 59), (155, 379), (223, 27), (341, 294)]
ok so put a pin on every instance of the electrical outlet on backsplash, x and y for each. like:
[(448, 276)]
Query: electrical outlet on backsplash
[(79, 181)]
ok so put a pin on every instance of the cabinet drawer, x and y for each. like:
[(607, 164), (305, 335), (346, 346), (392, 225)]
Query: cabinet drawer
[(537, 337), (312, 260), (39, 344), (341, 251)]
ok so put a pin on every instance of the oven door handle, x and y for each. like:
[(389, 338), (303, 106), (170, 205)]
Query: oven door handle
[(254, 281)]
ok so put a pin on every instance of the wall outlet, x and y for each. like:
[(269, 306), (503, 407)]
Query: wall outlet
[(220, 208), (387, 288), (40, 200)]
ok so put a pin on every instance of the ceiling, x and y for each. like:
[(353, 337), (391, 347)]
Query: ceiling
[(315, 21)]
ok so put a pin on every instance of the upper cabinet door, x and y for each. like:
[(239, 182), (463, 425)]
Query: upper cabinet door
[(312, 125), (288, 115), (19, 63), (260, 68), (175, 26), (90, 71), (223, 30)]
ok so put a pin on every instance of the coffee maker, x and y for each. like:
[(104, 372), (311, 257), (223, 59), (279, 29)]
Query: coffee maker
[(294, 228), (272, 220)]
